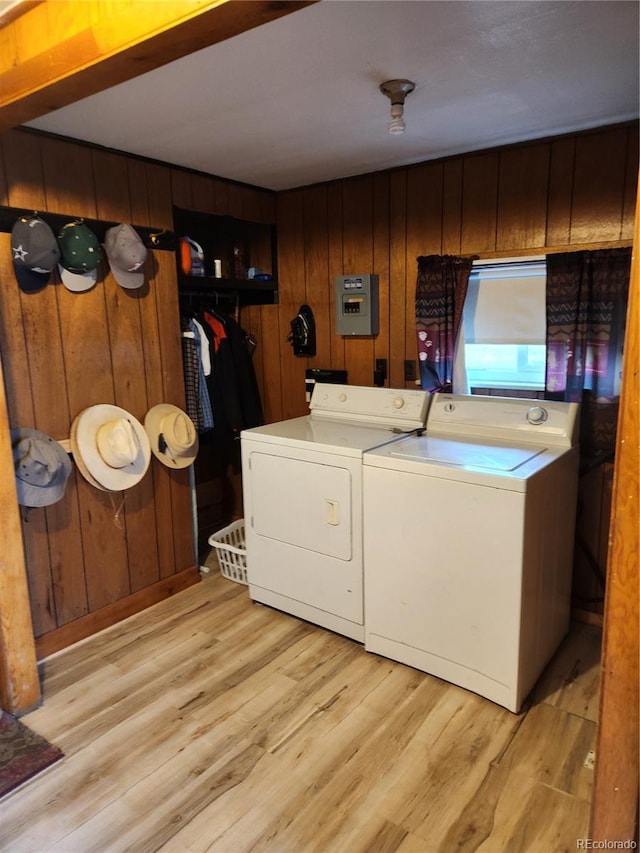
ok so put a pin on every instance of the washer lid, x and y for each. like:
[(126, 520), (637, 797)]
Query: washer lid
[(485, 462), (467, 454)]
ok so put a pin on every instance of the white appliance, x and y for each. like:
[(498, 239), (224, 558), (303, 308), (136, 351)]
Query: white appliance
[(302, 485), (468, 542)]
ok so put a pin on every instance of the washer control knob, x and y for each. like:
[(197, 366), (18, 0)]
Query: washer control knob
[(398, 402), (537, 415), (342, 397)]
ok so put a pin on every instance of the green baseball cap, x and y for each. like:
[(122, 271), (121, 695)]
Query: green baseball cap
[(80, 256)]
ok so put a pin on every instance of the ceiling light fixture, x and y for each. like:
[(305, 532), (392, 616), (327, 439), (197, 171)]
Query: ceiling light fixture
[(397, 91)]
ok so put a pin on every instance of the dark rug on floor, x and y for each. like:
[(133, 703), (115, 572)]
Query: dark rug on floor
[(23, 753)]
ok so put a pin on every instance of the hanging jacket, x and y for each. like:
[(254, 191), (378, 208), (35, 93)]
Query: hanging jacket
[(222, 382), (249, 394), (232, 384)]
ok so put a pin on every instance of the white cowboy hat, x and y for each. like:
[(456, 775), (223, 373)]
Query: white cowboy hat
[(110, 447), (42, 467), (173, 437)]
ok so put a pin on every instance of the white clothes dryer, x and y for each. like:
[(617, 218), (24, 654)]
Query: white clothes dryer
[(468, 534), (302, 485)]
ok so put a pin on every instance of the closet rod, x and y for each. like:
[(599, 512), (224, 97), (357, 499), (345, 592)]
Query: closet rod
[(220, 295), (212, 298), (158, 239)]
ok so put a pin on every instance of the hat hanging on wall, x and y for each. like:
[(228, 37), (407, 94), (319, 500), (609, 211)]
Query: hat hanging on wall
[(80, 256), (172, 434), (302, 336), (126, 253), (110, 447), (35, 253), (42, 467)]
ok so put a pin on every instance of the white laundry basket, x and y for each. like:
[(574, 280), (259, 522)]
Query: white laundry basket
[(231, 552)]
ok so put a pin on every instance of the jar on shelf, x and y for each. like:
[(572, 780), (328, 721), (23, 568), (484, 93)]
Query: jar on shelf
[(239, 270)]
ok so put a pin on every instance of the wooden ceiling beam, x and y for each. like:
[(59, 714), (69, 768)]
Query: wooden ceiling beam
[(60, 51)]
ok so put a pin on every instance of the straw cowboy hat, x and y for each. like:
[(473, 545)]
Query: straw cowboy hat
[(173, 437), (110, 447), (42, 467)]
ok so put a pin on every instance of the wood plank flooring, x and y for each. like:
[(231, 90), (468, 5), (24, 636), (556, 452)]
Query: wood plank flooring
[(210, 723)]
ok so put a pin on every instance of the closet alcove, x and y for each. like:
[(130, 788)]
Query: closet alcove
[(223, 264)]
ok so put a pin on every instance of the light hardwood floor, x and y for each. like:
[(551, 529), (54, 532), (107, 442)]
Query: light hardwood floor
[(209, 723)]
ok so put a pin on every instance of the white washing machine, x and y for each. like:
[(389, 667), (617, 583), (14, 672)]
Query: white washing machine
[(302, 485), (468, 542)]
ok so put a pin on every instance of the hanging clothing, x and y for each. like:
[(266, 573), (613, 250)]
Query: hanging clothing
[(242, 347), (222, 394), (197, 400), (232, 384), (205, 356), (222, 383)]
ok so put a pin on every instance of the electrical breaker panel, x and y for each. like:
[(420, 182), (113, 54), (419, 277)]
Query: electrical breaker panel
[(357, 304)]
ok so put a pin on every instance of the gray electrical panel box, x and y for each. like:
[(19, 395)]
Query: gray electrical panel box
[(357, 304)]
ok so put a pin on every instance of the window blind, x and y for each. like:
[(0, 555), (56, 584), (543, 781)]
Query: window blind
[(505, 303)]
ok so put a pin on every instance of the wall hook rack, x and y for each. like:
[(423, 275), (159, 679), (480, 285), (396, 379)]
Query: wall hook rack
[(153, 238)]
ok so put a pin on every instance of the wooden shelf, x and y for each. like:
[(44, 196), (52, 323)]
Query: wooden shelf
[(220, 238), (247, 291)]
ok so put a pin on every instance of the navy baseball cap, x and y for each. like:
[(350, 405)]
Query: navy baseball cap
[(35, 253)]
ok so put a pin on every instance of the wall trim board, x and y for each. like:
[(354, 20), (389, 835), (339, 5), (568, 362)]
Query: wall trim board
[(88, 625), (614, 801), (19, 684), (158, 239)]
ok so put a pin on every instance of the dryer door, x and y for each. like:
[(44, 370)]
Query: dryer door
[(302, 503), (303, 524)]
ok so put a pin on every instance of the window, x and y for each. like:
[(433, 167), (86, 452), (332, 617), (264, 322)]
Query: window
[(504, 325), (506, 365)]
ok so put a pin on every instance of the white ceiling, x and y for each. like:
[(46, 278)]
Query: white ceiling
[(296, 101)]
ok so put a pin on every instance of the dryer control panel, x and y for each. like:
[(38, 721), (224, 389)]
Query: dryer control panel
[(402, 409)]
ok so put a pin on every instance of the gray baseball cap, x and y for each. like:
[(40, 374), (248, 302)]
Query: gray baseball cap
[(126, 253)]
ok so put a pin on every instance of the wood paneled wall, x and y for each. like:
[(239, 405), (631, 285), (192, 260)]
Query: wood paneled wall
[(569, 192), (64, 351)]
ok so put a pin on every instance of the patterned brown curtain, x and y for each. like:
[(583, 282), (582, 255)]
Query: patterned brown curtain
[(440, 293), (586, 312)]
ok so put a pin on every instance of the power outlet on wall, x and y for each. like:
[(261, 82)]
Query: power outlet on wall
[(380, 372), (409, 370), (381, 367)]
